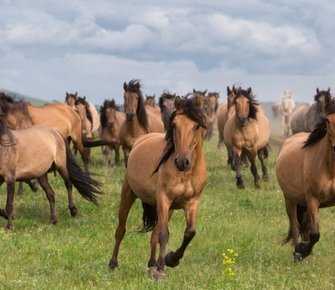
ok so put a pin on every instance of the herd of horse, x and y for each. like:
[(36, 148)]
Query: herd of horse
[(164, 156)]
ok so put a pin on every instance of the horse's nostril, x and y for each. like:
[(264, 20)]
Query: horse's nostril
[(186, 163), (182, 165)]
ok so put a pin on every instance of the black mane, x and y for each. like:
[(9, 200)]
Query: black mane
[(192, 110), (320, 128)]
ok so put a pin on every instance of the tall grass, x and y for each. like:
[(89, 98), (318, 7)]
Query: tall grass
[(74, 254)]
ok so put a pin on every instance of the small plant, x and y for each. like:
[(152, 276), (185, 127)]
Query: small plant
[(229, 260)]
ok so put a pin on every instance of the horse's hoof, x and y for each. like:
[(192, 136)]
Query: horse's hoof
[(297, 257), (113, 264), (73, 211), (53, 221), (171, 260), (155, 274), (266, 177)]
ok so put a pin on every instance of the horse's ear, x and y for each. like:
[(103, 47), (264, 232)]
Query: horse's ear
[(194, 90), (328, 90), (125, 86), (204, 92), (76, 94), (317, 90), (154, 95), (177, 102), (249, 91), (66, 93), (84, 98), (138, 86), (228, 90)]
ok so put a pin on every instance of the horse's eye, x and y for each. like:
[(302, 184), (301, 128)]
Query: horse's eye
[(197, 127)]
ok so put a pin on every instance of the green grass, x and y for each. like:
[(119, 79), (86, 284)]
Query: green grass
[(74, 254)]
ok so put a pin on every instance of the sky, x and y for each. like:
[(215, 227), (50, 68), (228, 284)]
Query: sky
[(48, 48)]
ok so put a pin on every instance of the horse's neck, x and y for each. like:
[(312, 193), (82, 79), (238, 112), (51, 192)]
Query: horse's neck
[(134, 127)]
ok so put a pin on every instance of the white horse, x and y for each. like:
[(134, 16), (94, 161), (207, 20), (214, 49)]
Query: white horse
[(286, 109)]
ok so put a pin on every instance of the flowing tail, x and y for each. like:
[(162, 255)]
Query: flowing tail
[(95, 143), (149, 218), (87, 186)]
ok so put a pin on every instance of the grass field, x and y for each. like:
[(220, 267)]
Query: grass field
[(236, 245)]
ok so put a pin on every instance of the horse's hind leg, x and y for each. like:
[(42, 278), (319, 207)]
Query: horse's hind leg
[(10, 203), (304, 249), (262, 156), (43, 181), (127, 200), (172, 258), (62, 170)]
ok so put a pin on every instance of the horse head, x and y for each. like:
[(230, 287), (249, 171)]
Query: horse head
[(201, 95), (187, 129), (150, 100), (322, 98), (108, 113), (211, 103), (245, 106), (70, 99)]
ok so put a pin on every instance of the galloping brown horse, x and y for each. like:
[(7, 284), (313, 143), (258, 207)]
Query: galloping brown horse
[(247, 131), (305, 117), (111, 119), (31, 153), (166, 172), (305, 169), (211, 106), (140, 119)]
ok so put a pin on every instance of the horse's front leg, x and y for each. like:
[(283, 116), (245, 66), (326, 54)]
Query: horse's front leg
[(152, 263), (262, 156), (253, 167), (163, 205), (237, 161), (172, 258), (10, 202)]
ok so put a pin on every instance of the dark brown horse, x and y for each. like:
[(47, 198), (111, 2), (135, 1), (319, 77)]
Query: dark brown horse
[(30, 153), (111, 119), (304, 118), (140, 119), (211, 106), (166, 104), (247, 131), (167, 172), (305, 169)]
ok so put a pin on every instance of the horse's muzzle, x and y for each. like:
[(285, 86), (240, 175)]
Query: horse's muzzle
[(182, 164), (242, 121), (130, 116)]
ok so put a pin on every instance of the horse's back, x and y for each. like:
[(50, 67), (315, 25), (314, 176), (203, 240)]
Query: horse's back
[(55, 115), (298, 123), (154, 120), (221, 117), (42, 141)]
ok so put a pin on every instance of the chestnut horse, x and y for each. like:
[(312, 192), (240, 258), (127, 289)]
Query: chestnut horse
[(166, 104), (305, 169), (305, 117), (247, 131), (111, 119), (140, 119), (166, 172), (211, 106), (31, 153)]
